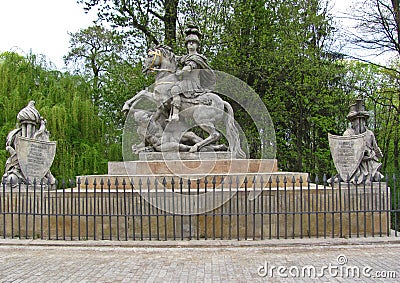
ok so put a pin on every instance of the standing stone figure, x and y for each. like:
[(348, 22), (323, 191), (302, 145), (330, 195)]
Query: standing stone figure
[(194, 74), (369, 165), (356, 153), (31, 152)]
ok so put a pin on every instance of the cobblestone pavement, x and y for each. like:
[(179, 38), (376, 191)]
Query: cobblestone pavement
[(200, 261)]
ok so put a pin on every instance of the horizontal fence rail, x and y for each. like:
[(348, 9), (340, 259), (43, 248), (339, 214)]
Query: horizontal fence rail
[(209, 208)]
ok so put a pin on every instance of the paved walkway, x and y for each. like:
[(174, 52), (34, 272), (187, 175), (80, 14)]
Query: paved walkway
[(328, 260)]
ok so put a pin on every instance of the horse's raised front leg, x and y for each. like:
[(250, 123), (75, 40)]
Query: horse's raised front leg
[(213, 136), (131, 102)]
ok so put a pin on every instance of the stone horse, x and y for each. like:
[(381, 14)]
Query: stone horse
[(206, 110)]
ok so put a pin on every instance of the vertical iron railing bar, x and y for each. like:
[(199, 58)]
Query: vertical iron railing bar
[(49, 212), (317, 206), (198, 209), (380, 206), (26, 210), (102, 207), (63, 206), (294, 207), (57, 207), (86, 208), (12, 209), (213, 211), (110, 208), (94, 208), (189, 209), (78, 207), (246, 211), (222, 207), (388, 202), (365, 206), (237, 209), (325, 211), (181, 206), (133, 210), (72, 206), (357, 208), (205, 208), (372, 208), (301, 207), (230, 208), (285, 206), (173, 208), (277, 210), (19, 208), (141, 208), (164, 182), (116, 184), (332, 209), (149, 207), (54, 207), (270, 207), (34, 212), (254, 207), (338, 208), (262, 207), (309, 206), (157, 209), (395, 204), (349, 203)]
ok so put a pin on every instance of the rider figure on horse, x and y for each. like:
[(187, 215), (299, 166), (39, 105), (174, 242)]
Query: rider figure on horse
[(194, 74)]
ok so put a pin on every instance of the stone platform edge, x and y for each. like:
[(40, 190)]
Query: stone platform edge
[(207, 166)]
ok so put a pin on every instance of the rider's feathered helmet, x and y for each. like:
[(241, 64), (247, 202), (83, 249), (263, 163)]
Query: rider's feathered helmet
[(192, 33)]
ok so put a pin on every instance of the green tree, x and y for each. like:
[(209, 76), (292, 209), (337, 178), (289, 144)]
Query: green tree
[(107, 60), (281, 49), (148, 21)]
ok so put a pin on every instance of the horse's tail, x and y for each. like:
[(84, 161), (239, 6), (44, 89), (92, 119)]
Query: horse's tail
[(232, 133)]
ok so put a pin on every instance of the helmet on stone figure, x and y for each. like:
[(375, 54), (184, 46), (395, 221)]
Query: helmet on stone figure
[(192, 33)]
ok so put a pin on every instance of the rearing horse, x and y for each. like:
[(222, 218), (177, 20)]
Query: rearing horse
[(206, 110)]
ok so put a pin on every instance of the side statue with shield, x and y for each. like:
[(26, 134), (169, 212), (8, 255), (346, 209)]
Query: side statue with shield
[(356, 154), (31, 151)]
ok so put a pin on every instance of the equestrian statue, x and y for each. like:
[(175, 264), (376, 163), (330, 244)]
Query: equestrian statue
[(183, 92)]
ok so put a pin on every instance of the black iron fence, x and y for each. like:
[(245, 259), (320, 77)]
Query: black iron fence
[(230, 207)]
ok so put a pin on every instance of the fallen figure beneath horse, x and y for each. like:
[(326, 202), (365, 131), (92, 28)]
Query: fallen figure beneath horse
[(204, 109)]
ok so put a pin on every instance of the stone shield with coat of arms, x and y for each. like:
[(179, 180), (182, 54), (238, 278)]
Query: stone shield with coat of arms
[(35, 157), (347, 153)]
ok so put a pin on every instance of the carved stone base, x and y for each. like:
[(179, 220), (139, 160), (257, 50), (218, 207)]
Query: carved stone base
[(198, 167)]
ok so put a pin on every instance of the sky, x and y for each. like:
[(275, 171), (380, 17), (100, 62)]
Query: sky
[(42, 26)]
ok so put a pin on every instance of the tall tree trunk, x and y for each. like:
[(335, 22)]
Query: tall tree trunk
[(395, 4), (170, 19)]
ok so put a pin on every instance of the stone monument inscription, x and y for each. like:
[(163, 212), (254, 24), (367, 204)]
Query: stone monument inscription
[(347, 153), (35, 157)]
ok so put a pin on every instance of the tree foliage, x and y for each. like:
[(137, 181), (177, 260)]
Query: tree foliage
[(281, 49), (147, 21)]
